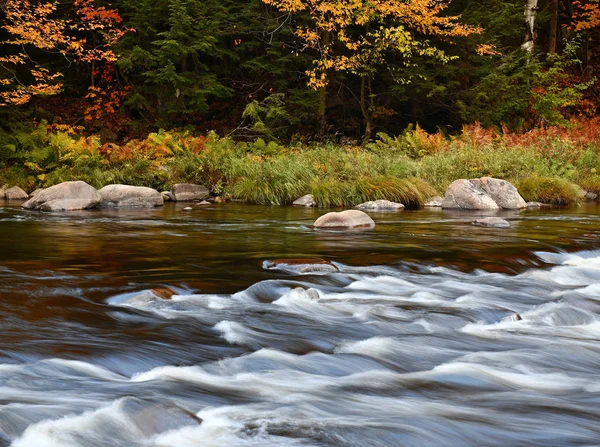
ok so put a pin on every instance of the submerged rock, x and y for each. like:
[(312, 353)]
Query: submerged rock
[(125, 196), (380, 205), (308, 201), (485, 193), (152, 418), (301, 265), (537, 205), (345, 219), (188, 208), (433, 202), (16, 193), (203, 203), (156, 294), (66, 196), (187, 192), (492, 222)]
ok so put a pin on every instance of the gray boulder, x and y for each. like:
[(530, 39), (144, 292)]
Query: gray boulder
[(380, 205), (466, 195), (187, 192), (3, 193), (344, 219), (301, 265), (167, 196), (121, 196), (537, 205), (493, 222), (307, 200), (502, 192), (433, 202), (16, 193), (66, 196), (35, 193), (590, 196)]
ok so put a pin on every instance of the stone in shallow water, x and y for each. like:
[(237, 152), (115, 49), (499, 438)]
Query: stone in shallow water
[(307, 201), (301, 265), (380, 205), (167, 196), (66, 196), (187, 192), (433, 202), (125, 196), (537, 205), (492, 222), (146, 296), (152, 418), (486, 193), (188, 208), (345, 219), (16, 193)]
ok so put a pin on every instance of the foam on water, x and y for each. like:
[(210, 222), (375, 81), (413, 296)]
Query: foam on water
[(369, 356)]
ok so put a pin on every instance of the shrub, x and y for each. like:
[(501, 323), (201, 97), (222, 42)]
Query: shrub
[(554, 191)]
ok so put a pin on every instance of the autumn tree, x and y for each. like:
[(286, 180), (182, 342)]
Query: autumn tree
[(40, 33), (359, 36)]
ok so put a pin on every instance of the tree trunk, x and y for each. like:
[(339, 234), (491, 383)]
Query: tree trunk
[(530, 13), (364, 107), (322, 110), (553, 26)]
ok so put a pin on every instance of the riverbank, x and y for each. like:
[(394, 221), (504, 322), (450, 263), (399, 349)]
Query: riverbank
[(554, 165)]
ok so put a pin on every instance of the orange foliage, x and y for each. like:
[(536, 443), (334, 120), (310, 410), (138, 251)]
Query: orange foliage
[(336, 21), (37, 25), (587, 14)]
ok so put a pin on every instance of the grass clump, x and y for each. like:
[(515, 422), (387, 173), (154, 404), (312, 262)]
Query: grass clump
[(550, 190)]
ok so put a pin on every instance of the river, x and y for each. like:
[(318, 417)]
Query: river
[(432, 333)]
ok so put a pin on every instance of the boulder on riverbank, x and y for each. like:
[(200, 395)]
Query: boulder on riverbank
[(188, 192), (492, 222), (15, 193), (167, 196), (35, 192), (380, 205), (433, 202), (125, 196), (66, 196), (301, 265), (345, 219), (308, 201), (486, 193)]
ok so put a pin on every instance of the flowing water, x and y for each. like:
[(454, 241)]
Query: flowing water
[(432, 333)]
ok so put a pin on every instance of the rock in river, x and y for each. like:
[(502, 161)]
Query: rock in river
[(130, 196), (307, 201), (66, 196), (344, 219), (301, 265), (492, 222), (187, 192), (433, 202), (485, 193), (502, 192), (16, 193), (380, 205)]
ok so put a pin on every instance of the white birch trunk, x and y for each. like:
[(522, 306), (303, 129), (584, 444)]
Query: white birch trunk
[(530, 13)]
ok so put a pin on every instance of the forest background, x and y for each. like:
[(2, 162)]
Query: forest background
[(137, 91)]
